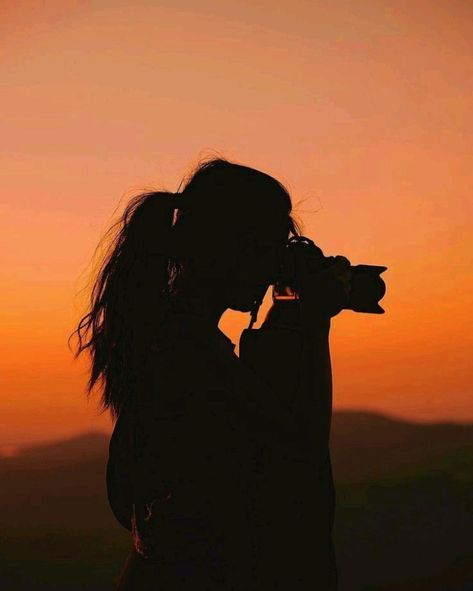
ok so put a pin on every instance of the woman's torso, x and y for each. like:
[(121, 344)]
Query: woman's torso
[(242, 515)]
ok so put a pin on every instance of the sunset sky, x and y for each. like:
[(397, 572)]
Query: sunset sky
[(362, 109)]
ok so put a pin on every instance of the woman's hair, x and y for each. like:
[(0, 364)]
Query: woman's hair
[(132, 286)]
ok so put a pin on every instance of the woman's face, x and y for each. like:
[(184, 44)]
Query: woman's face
[(237, 275), (256, 266)]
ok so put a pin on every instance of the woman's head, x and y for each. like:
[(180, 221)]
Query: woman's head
[(221, 248), (242, 218)]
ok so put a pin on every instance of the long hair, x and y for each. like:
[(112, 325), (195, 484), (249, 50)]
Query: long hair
[(133, 284)]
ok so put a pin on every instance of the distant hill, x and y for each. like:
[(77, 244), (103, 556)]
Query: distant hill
[(404, 509), (368, 445), (59, 484), (80, 447), (404, 519), (364, 445)]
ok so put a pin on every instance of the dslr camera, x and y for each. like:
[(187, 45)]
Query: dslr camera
[(367, 287)]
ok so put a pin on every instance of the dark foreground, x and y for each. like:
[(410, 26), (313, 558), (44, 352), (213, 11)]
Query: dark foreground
[(404, 510)]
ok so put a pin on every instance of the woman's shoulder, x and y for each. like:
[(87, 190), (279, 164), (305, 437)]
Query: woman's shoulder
[(181, 374), (192, 342)]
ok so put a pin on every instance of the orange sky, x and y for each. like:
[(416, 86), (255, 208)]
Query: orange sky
[(363, 110)]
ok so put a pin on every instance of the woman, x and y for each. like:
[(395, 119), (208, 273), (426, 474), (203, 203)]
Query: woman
[(218, 465)]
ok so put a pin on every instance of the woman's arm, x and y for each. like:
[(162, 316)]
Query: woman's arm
[(295, 362)]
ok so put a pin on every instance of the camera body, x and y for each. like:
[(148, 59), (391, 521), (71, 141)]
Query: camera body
[(367, 287)]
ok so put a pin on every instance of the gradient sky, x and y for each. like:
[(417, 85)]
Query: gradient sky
[(362, 109)]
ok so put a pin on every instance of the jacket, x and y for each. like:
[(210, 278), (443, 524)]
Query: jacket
[(208, 468)]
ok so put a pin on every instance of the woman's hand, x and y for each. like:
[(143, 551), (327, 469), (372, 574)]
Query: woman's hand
[(325, 293)]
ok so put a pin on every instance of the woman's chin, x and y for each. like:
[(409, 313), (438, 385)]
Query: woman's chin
[(243, 304), (244, 300)]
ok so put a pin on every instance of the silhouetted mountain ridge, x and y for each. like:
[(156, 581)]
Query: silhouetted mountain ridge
[(367, 445), (364, 445)]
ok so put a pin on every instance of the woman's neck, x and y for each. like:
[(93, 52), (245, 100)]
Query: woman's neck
[(200, 302)]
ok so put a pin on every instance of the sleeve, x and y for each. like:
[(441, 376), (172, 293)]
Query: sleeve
[(294, 371), (271, 360)]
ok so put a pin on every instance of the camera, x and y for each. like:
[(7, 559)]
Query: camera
[(367, 287)]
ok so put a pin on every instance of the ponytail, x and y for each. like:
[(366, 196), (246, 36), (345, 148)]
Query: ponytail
[(128, 298)]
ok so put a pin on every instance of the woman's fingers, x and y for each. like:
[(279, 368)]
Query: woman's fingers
[(342, 270), (328, 291)]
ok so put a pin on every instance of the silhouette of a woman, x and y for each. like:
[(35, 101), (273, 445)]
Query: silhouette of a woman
[(219, 465)]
